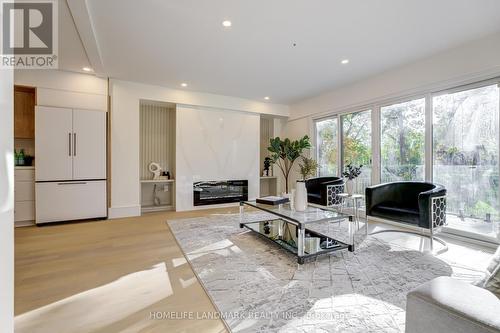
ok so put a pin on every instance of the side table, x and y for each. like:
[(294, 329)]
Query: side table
[(356, 200)]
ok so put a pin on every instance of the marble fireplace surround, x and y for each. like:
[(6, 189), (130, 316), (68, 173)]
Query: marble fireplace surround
[(215, 145), (259, 287)]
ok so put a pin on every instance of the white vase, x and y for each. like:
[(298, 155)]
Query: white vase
[(301, 197), (349, 187), (292, 199)]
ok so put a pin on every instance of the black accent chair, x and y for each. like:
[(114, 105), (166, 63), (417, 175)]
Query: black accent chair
[(409, 202), (317, 189)]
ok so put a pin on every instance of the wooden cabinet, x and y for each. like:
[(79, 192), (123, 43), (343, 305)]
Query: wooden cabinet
[(24, 112)]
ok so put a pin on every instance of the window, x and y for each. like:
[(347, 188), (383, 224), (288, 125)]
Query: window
[(402, 141), (465, 156), (357, 146), (327, 146)]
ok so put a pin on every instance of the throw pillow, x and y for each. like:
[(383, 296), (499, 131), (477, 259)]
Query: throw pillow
[(492, 268), (493, 283)]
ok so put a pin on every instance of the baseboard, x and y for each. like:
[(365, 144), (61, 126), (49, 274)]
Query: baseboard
[(124, 211), (464, 237), (19, 224)]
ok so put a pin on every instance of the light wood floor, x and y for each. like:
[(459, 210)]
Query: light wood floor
[(129, 275), (108, 276)]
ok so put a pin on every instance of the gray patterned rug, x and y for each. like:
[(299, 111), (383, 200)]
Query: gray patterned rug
[(259, 287)]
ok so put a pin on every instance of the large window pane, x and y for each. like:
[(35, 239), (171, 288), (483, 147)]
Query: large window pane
[(465, 153), (403, 141), (327, 146), (357, 145)]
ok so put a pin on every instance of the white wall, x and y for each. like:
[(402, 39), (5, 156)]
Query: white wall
[(125, 98), (294, 131), (465, 64), (214, 144), (6, 202), (471, 62)]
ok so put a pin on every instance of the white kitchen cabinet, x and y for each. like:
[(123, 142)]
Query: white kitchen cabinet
[(24, 191), (70, 176), (65, 201), (53, 144), (89, 152), (24, 211), (24, 194)]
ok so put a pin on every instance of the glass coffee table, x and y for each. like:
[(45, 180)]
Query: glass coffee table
[(315, 231)]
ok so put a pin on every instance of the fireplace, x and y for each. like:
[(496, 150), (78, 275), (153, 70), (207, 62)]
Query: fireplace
[(218, 192)]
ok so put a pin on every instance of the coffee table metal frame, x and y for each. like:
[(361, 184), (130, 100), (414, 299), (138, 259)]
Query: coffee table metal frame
[(301, 229)]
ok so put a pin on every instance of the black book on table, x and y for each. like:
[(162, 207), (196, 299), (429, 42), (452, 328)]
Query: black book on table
[(272, 200)]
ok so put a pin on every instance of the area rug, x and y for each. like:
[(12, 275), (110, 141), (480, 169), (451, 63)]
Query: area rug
[(259, 287)]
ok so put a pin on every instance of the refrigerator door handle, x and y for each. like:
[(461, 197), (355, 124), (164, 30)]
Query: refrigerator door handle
[(69, 144), (72, 183), (74, 144)]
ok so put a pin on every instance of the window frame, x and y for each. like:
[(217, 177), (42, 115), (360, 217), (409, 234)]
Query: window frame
[(341, 137), (316, 146), (426, 122), (375, 106), (454, 90)]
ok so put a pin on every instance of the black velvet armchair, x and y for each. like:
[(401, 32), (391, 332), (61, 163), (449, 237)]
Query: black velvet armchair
[(407, 202), (323, 190)]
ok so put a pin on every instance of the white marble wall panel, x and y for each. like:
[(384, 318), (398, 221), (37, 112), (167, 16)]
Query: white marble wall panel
[(214, 144)]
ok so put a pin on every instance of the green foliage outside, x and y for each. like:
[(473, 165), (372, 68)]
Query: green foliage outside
[(465, 146)]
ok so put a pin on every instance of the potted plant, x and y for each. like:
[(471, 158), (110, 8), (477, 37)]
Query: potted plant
[(350, 173), (308, 168), (285, 152)]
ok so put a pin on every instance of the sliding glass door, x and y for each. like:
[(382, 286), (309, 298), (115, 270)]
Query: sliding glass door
[(327, 146), (402, 144), (357, 145), (466, 157)]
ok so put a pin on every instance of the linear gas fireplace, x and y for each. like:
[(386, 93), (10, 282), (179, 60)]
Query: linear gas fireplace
[(218, 192)]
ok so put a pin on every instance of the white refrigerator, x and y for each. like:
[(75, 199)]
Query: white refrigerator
[(70, 164)]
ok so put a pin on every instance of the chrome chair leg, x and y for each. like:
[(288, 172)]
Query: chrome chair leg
[(432, 238)]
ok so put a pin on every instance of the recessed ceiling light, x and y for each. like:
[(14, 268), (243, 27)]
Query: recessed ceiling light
[(345, 62), (184, 84), (267, 98), (87, 69), (227, 23)]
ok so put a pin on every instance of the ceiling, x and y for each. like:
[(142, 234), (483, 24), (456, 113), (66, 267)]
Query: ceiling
[(286, 49), (72, 54)]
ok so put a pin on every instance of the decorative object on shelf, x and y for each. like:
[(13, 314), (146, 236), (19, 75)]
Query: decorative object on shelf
[(155, 169), (272, 200), (267, 167), (19, 158), (292, 199), (312, 244), (285, 152), (28, 160), (267, 228), (351, 172)]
